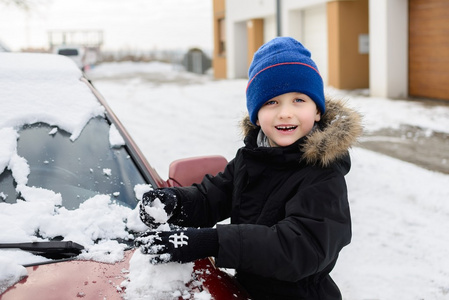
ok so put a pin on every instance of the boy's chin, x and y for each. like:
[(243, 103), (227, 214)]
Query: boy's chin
[(281, 143)]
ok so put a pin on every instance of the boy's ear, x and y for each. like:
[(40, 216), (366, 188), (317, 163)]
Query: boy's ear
[(318, 115), (257, 122)]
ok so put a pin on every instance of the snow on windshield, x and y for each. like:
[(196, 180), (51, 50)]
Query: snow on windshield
[(115, 138), (58, 97)]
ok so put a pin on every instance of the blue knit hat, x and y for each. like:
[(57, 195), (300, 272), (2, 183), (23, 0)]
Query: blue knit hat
[(282, 66)]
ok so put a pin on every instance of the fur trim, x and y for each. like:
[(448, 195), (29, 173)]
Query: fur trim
[(247, 126), (337, 131)]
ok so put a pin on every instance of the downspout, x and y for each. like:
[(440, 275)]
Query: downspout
[(278, 17)]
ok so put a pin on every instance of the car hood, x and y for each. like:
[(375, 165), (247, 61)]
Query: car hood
[(72, 279), (95, 280)]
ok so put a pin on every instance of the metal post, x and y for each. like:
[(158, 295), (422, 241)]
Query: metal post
[(278, 17)]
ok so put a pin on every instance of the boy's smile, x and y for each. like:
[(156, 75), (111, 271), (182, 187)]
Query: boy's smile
[(286, 128), (287, 118)]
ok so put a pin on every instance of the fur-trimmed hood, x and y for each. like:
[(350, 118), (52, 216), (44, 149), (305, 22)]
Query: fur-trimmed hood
[(337, 131)]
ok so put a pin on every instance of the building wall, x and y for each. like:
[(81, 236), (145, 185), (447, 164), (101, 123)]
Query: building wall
[(306, 21), (255, 37), (311, 25), (331, 30), (314, 36), (348, 58), (238, 13), (269, 28), (391, 67), (388, 57), (219, 54)]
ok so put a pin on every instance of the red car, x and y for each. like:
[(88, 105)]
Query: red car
[(74, 158)]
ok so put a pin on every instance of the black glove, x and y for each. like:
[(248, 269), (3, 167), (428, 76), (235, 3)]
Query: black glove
[(149, 204), (179, 245)]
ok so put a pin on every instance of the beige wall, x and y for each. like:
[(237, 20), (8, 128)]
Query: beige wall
[(219, 59), (255, 37), (346, 19), (348, 69), (255, 34)]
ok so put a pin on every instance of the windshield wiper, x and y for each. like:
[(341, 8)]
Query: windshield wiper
[(48, 249)]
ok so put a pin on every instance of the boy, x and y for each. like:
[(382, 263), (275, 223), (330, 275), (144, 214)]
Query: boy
[(284, 191)]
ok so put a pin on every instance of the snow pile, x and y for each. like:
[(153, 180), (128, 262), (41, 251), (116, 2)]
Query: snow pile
[(95, 225), (9, 158), (134, 222), (115, 138), (23, 218), (157, 211), (11, 273), (96, 219), (148, 281), (165, 281)]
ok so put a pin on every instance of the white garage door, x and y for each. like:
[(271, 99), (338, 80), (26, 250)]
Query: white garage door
[(315, 36)]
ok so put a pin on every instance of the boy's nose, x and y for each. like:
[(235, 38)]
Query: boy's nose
[(284, 112)]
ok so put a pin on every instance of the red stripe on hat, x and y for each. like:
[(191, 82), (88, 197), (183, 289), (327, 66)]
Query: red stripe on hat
[(280, 64)]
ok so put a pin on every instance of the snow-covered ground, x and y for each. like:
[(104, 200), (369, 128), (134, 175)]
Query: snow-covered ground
[(400, 211)]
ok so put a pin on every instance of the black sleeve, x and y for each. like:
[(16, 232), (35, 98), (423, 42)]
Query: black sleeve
[(316, 227)]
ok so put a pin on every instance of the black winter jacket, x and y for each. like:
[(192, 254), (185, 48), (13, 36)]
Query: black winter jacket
[(288, 207)]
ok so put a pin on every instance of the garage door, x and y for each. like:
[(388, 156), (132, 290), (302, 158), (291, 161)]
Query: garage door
[(429, 48), (315, 36)]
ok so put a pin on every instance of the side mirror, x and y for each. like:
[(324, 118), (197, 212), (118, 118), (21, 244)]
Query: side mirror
[(187, 171)]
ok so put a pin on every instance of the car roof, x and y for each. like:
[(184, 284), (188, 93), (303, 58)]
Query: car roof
[(36, 63), (36, 87)]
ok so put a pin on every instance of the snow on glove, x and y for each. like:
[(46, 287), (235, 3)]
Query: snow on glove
[(157, 207), (178, 245)]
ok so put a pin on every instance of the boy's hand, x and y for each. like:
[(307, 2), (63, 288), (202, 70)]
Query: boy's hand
[(157, 207), (179, 245)]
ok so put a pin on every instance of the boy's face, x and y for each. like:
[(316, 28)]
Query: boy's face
[(288, 117)]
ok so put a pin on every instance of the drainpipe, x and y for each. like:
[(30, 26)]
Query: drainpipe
[(278, 17)]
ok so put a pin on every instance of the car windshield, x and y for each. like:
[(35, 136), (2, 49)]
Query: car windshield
[(79, 169)]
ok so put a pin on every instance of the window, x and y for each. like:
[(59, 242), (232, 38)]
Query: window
[(221, 36), (77, 170)]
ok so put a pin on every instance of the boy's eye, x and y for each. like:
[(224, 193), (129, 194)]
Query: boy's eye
[(299, 100), (271, 102)]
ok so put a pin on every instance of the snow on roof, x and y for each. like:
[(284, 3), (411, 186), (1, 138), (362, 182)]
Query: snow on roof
[(44, 88), (40, 88)]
